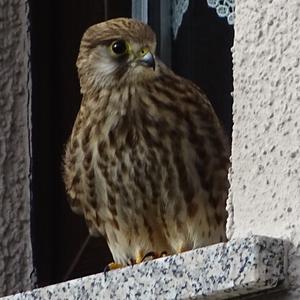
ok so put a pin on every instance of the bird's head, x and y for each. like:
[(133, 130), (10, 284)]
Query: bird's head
[(116, 51)]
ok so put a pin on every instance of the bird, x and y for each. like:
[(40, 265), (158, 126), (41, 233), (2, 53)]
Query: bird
[(147, 160)]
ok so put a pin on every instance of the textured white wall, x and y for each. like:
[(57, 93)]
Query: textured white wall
[(265, 177), (15, 245)]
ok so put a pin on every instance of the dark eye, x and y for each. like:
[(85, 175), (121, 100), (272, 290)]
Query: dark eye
[(119, 47)]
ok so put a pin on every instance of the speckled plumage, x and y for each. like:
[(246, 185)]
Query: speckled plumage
[(147, 160)]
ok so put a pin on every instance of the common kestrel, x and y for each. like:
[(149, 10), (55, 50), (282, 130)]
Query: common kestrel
[(147, 160)]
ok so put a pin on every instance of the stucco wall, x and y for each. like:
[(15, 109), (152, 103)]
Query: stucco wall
[(15, 245), (265, 177)]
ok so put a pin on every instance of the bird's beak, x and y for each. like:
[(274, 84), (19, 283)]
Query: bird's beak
[(147, 60)]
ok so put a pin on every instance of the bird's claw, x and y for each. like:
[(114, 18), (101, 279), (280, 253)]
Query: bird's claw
[(149, 256), (153, 255), (112, 266)]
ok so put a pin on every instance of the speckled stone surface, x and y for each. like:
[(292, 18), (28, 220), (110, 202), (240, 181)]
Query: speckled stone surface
[(222, 271)]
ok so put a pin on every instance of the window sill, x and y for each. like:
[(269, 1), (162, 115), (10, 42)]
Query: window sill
[(223, 271)]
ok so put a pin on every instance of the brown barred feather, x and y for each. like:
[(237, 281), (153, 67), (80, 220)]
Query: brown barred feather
[(147, 161)]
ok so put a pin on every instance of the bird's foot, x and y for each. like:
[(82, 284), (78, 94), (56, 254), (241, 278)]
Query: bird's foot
[(141, 257), (153, 255), (182, 249), (149, 256), (163, 254), (112, 266)]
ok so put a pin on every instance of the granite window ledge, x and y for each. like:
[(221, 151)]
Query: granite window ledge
[(223, 271)]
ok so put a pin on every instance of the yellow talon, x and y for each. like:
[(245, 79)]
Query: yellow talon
[(114, 266), (182, 249), (139, 257)]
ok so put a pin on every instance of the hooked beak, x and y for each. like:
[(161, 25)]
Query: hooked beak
[(147, 60)]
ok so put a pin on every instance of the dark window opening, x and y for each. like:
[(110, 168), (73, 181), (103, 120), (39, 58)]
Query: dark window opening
[(202, 53)]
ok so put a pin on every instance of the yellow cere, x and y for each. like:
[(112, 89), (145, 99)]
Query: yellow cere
[(143, 51)]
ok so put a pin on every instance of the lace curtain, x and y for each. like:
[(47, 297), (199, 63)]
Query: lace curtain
[(224, 9)]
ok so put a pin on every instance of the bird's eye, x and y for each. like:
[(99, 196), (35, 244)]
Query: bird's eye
[(119, 47)]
